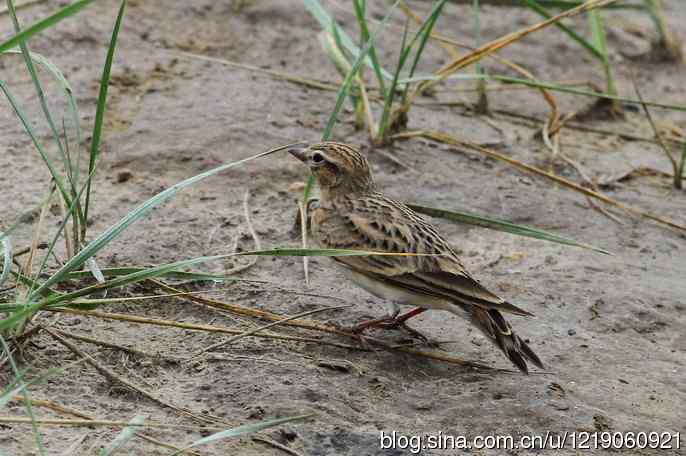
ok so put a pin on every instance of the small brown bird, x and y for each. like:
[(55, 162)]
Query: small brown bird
[(353, 214)]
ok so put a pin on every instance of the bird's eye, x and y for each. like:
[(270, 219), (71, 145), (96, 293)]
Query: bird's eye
[(317, 158)]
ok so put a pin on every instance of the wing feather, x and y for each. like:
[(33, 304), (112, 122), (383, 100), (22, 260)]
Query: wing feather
[(385, 225)]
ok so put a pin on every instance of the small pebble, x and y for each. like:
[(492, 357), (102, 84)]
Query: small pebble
[(123, 176)]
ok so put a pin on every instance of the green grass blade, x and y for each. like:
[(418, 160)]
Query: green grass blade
[(600, 43), (325, 20), (141, 274), (168, 268), (424, 33), (241, 430), (18, 222), (345, 87), (9, 393), (309, 187), (179, 275), (71, 169), (549, 86), (18, 383), (123, 437), (139, 212), (113, 232), (29, 130), (536, 5), (100, 110), (569, 4), (502, 225), (69, 213), (656, 13), (598, 37), (64, 85), (34, 78), (39, 26), (27, 400), (364, 30), (388, 102), (44, 105)]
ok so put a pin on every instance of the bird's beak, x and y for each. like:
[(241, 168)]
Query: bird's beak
[(299, 151)]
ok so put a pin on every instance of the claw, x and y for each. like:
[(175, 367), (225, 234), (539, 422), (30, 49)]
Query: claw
[(392, 322)]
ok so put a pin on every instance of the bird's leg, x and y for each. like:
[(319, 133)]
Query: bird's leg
[(393, 321), (376, 322), (398, 322), (407, 315), (359, 329)]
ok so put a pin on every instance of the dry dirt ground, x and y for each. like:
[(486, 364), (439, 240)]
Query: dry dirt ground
[(610, 329)]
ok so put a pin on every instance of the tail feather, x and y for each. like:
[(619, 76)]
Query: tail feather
[(498, 330)]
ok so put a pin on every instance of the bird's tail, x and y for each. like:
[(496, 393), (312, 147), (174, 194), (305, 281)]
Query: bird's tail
[(498, 330)]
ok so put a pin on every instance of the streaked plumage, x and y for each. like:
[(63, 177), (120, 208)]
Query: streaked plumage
[(352, 214)]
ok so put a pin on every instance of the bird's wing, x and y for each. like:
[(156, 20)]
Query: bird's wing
[(436, 271)]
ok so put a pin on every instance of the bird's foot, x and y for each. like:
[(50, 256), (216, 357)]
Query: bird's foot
[(393, 322), (400, 325)]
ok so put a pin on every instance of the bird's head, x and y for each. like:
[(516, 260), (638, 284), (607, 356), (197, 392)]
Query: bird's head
[(339, 169)]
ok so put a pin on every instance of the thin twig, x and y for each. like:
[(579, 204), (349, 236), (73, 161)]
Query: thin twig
[(281, 447)]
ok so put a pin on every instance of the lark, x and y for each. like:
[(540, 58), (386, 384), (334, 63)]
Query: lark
[(353, 214)]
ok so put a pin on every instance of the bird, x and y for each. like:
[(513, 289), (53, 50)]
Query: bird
[(352, 213)]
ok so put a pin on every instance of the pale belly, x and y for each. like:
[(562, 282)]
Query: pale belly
[(395, 296)]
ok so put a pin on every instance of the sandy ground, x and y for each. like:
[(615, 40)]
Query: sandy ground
[(610, 329)]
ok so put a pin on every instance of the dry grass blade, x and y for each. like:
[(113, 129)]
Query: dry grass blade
[(447, 139), (276, 74), (27, 270), (86, 423), (510, 38), (498, 44), (114, 346), (302, 210), (112, 376), (434, 35), (54, 407), (658, 136), (58, 408), (305, 324), (196, 327), (524, 118), (262, 328), (253, 235)]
